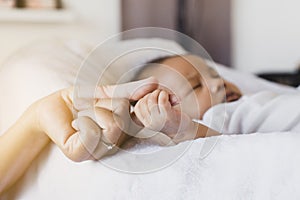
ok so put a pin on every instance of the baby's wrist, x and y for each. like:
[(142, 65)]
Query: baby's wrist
[(188, 131)]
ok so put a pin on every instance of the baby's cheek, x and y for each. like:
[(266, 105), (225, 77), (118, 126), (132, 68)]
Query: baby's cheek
[(191, 106), (185, 109)]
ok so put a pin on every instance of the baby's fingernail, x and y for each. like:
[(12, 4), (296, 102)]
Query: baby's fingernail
[(173, 99)]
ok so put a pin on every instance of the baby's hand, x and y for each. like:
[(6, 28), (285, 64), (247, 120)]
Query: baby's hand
[(156, 112)]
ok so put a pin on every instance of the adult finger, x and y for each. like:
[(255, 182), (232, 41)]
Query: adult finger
[(82, 97), (121, 110), (75, 98), (96, 147), (80, 145), (102, 118), (132, 90), (118, 106), (110, 125)]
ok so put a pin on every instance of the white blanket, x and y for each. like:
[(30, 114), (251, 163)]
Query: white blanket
[(256, 166), (263, 112)]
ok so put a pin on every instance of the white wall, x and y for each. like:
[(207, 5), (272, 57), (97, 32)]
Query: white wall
[(266, 35), (104, 14), (94, 21)]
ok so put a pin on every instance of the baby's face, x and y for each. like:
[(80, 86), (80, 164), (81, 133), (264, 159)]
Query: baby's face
[(198, 89)]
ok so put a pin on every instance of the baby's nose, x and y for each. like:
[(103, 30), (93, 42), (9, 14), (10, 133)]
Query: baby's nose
[(216, 85)]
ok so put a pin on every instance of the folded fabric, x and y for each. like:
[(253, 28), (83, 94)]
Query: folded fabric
[(262, 112)]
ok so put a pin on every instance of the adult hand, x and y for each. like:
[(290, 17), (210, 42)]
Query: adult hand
[(97, 127)]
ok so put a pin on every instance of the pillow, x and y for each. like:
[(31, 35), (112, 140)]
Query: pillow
[(249, 83), (34, 72)]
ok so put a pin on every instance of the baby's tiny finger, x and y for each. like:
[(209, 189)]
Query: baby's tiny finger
[(163, 102), (141, 110), (153, 103)]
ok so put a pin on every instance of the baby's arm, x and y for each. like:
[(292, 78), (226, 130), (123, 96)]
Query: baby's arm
[(155, 111)]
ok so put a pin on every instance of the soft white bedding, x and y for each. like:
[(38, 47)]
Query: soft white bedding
[(256, 166), (263, 112)]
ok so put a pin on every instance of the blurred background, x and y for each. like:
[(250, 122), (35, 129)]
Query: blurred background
[(250, 35)]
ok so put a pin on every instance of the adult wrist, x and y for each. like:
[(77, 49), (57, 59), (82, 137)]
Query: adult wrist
[(31, 120)]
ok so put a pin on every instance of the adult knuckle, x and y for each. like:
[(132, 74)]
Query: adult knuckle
[(76, 154), (114, 126), (122, 105)]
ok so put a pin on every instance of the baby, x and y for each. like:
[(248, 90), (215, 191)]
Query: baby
[(187, 89)]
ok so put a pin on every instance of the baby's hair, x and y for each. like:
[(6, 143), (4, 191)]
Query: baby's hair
[(152, 63), (161, 59)]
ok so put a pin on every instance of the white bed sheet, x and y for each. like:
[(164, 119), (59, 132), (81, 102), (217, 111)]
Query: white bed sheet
[(256, 166)]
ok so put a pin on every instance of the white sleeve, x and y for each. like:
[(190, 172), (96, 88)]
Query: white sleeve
[(262, 112)]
